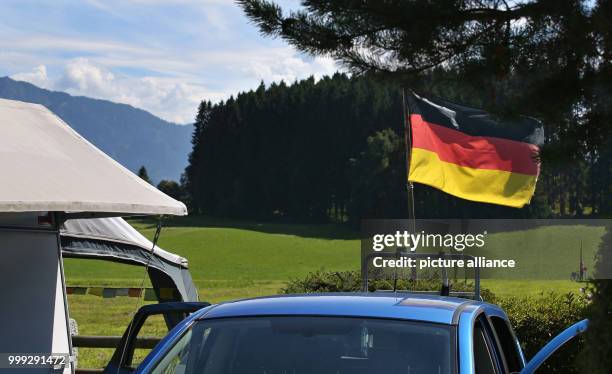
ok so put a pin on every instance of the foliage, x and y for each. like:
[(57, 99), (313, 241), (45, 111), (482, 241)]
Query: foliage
[(350, 281), (171, 188), (597, 356), (333, 150), (283, 152), (377, 177), (548, 59), (142, 173), (536, 320)]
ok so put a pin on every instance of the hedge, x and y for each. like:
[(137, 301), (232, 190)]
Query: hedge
[(350, 281), (535, 319)]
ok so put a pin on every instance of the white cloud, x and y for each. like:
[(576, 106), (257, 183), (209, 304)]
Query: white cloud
[(289, 68), (38, 76), (82, 77), (287, 65), (160, 58), (168, 98), (175, 97)]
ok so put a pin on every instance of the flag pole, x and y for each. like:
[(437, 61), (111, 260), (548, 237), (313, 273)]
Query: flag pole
[(409, 185), (408, 148)]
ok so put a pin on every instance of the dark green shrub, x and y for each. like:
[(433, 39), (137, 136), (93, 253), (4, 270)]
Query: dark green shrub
[(536, 320), (350, 281)]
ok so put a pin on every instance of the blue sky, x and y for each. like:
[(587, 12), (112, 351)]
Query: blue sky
[(160, 55)]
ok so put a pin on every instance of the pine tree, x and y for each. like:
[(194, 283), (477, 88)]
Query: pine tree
[(190, 182), (548, 59), (142, 173), (171, 188), (284, 152)]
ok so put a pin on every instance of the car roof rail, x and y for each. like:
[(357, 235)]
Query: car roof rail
[(445, 290)]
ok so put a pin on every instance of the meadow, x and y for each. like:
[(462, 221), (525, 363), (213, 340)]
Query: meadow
[(231, 260)]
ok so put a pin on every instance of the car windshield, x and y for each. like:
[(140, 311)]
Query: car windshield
[(310, 345)]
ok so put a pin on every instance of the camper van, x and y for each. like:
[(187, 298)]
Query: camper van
[(50, 174), (34, 316)]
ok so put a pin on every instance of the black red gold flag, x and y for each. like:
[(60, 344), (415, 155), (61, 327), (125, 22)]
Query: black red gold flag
[(467, 153)]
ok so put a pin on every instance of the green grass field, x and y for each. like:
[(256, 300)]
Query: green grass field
[(239, 252), (231, 260)]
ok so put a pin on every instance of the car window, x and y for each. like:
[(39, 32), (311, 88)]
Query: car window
[(175, 360), (311, 345), (507, 341), (484, 357)]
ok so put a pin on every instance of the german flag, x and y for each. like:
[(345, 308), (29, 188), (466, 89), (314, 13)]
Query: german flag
[(465, 152)]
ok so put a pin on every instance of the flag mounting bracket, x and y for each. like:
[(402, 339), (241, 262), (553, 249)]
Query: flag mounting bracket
[(446, 286)]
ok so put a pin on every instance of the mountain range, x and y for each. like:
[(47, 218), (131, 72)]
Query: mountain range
[(131, 136)]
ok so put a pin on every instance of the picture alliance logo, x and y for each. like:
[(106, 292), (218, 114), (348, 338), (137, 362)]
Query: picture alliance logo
[(413, 241)]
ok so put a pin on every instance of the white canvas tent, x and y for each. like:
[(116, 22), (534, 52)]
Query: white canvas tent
[(47, 166), (50, 173)]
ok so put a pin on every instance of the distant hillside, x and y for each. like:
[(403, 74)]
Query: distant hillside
[(131, 136)]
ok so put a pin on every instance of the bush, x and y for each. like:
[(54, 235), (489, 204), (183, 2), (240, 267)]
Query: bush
[(536, 320), (350, 281)]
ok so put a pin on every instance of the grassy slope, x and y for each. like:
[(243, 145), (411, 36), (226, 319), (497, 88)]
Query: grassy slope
[(230, 261), (242, 253), (227, 253)]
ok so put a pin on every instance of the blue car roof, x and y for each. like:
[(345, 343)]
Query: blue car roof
[(415, 307)]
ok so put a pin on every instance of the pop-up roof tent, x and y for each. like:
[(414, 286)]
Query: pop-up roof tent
[(50, 174), (47, 166), (116, 240)]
